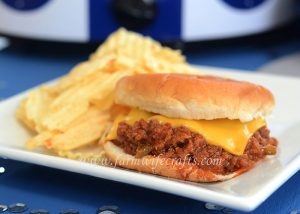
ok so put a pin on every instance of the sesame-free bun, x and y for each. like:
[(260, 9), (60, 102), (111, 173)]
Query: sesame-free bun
[(195, 96), (164, 167)]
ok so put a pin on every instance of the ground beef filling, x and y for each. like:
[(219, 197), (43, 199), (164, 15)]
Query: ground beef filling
[(152, 138)]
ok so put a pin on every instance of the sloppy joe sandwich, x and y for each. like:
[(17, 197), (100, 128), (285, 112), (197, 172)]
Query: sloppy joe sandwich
[(198, 128)]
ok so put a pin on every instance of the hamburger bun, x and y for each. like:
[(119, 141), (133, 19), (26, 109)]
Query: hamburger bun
[(195, 96), (163, 167)]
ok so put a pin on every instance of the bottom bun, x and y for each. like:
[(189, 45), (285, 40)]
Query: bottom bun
[(164, 166)]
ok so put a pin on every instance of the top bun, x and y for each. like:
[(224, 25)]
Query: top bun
[(195, 96)]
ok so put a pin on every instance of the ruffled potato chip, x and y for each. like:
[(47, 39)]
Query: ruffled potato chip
[(92, 153), (72, 115)]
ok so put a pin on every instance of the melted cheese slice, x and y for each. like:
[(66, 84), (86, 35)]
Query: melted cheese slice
[(231, 135)]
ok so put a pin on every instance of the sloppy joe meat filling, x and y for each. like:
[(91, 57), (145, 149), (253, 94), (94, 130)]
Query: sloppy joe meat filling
[(153, 138)]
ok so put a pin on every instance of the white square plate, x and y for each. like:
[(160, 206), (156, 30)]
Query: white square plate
[(245, 192)]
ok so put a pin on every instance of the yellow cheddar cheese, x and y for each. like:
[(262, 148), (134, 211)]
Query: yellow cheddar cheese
[(231, 135)]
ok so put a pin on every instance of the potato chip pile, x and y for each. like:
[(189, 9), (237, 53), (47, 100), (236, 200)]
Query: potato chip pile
[(69, 117)]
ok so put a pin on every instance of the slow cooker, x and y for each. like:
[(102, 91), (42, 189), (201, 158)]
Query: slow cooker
[(166, 20)]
